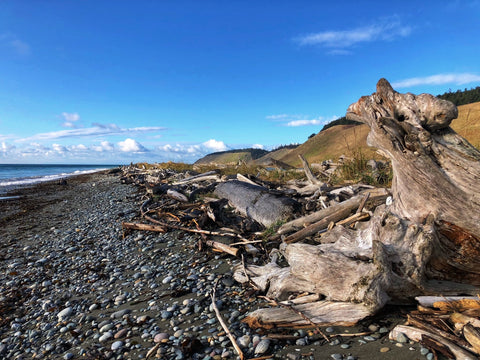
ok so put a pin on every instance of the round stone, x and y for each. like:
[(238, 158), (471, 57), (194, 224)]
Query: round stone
[(161, 337), (384, 349), (117, 345), (65, 313)]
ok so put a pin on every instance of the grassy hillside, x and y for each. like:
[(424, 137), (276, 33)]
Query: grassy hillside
[(468, 123), (331, 143), (347, 139)]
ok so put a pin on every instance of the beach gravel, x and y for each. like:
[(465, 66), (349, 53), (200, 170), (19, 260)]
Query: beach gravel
[(73, 285)]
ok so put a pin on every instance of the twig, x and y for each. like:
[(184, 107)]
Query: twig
[(224, 326), (197, 231), (246, 242), (362, 204), (146, 227), (152, 350)]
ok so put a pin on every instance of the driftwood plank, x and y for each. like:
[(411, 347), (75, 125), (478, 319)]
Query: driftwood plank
[(321, 313)]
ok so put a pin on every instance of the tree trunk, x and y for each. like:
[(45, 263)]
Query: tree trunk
[(426, 242), (256, 202)]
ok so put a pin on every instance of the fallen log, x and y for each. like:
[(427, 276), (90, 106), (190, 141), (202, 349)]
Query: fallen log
[(257, 202), (320, 313), (209, 175)]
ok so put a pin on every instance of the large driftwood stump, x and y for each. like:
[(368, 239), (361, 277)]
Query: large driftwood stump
[(426, 242)]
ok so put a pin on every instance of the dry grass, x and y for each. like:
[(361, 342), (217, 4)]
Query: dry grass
[(468, 123)]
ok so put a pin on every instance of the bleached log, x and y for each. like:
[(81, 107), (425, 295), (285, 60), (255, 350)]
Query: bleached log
[(321, 313), (257, 202), (209, 175)]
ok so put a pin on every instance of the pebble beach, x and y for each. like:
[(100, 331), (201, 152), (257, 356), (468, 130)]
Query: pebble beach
[(74, 285)]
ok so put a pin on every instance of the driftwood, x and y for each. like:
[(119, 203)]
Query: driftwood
[(144, 227), (423, 241), (210, 175), (417, 334), (334, 213), (224, 326), (257, 202), (321, 313), (308, 172)]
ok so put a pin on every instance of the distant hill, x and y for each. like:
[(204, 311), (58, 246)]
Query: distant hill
[(337, 140), (232, 157)]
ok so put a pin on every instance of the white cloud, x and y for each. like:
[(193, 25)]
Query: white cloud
[(258, 146), (13, 43), (131, 145), (295, 123), (295, 120), (384, 30), (96, 130), (59, 148), (215, 145), (6, 148), (104, 146), (439, 79), (278, 117), (79, 147), (70, 119)]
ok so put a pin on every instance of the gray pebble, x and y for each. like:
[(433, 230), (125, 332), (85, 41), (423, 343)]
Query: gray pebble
[(262, 346), (65, 313), (402, 338), (117, 345)]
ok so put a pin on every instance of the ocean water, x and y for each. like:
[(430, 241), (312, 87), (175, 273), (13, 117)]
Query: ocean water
[(20, 175)]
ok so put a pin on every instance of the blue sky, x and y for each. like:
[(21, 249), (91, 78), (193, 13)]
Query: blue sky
[(128, 81)]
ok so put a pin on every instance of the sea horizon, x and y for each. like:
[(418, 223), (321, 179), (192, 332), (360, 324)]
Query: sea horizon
[(21, 175)]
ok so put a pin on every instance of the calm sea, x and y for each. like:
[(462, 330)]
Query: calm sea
[(19, 175)]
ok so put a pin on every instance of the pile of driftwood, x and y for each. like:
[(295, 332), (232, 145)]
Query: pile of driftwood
[(448, 326), (336, 256)]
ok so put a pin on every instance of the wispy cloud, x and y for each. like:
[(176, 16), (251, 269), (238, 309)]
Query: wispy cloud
[(439, 79), (295, 123), (96, 130), (13, 43), (339, 40), (300, 120)]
